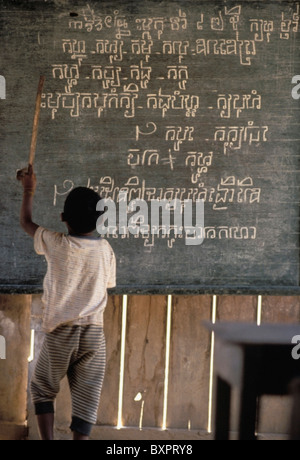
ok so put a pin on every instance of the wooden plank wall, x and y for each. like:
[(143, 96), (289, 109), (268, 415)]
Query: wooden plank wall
[(15, 312), (190, 349)]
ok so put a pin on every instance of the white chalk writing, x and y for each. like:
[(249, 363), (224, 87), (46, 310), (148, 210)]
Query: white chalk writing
[(148, 71), (2, 87)]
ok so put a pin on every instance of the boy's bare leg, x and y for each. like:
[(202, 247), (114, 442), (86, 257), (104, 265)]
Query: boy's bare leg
[(79, 437), (46, 424)]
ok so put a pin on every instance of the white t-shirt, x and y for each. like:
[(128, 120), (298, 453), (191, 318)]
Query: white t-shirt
[(80, 270)]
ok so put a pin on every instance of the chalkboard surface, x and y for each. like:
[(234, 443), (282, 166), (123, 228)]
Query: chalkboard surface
[(163, 100)]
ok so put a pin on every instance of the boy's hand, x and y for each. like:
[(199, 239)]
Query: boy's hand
[(28, 179)]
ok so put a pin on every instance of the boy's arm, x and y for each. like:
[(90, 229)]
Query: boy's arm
[(28, 180)]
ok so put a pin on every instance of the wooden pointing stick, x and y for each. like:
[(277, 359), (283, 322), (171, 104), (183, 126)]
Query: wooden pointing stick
[(21, 172), (36, 120)]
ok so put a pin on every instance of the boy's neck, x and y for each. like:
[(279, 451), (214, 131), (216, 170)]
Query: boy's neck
[(81, 234), (72, 233)]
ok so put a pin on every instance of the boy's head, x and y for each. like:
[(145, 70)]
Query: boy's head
[(80, 210)]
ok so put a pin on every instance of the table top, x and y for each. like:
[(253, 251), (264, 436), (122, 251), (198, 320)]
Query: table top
[(251, 334)]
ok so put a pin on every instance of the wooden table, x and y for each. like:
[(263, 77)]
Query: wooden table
[(257, 360)]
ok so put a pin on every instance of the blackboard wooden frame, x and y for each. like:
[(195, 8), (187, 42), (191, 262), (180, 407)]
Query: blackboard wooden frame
[(173, 290)]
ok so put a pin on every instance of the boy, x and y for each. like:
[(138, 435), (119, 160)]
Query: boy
[(80, 269)]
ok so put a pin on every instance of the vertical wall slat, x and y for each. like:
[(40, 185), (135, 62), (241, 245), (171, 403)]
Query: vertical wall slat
[(280, 309), (189, 363), (108, 408), (236, 309), (144, 361), (15, 328)]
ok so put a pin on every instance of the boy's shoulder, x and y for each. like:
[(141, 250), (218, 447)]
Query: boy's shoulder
[(106, 244), (46, 237), (42, 232)]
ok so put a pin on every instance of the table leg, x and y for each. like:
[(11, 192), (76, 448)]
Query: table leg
[(222, 421), (247, 414)]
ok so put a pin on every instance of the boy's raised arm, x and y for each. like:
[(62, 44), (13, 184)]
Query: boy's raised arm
[(28, 179)]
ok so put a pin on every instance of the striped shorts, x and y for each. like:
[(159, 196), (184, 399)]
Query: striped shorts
[(78, 352)]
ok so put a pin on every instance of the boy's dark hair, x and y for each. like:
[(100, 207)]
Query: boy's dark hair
[(80, 210)]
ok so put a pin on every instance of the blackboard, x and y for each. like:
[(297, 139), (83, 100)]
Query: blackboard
[(187, 100)]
